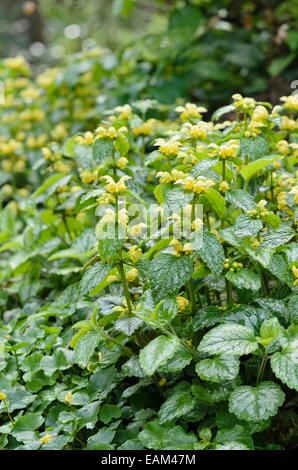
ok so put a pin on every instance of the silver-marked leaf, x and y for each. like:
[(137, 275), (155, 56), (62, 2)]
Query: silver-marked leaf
[(94, 276), (256, 403), (167, 273), (245, 279), (285, 365), (179, 404), (218, 369), (212, 253), (158, 352), (246, 226), (229, 338)]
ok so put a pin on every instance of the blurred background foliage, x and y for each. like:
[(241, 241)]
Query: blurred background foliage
[(200, 50)]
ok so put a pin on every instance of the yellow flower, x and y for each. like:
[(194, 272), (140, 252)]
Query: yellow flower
[(290, 102), (68, 397), (124, 111), (182, 303), (30, 93), (132, 275), (282, 200), (110, 132), (46, 439), (295, 271), (135, 253), (177, 246), (87, 176), (283, 147), (187, 248), (137, 229), (116, 188), (197, 225), (168, 148), (198, 185), (190, 111), (260, 113), (197, 131), (86, 139), (288, 124), (3, 396), (144, 129), (164, 176), (229, 149), (162, 382), (294, 191), (176, 174), (123, 217), (17, 64), (224, 186), (244, 104), (122, 163)]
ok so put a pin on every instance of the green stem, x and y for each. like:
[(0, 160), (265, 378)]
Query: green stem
[(229, 293), (261, 369), (271, 187), (125, 286), (8, 413), (192, 297), (223, 169)]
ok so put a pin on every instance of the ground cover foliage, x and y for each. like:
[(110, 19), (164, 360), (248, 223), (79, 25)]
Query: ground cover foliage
[(145, 342)]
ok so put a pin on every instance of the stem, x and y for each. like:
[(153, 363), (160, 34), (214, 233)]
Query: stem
[(229, 293), (125, 349), (261, 369), (258, 268), (223, 169), (191, 294), (125, 286), (8, 413), (271, 187)]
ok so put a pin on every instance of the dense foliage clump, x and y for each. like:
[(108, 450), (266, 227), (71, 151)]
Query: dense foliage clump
[(146, 339)]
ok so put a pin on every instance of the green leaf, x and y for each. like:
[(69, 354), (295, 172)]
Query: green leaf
[(255, 147), (256, 403), (223, 110), (269, 331), (108, 413), (27, 422), (93, 276), (176, 199), (167, 273), (216, 201), (249, 170), (278, 237), (245, 279), (158, 352), (52, 183), (285, 365), (218, 369), (102, 149), (246, 226), (279, 64), (85, 347), (159, 436), (101, 440), (179, 361), (241, 199), (237, 434), (231, 446), (230, 338), (62, 359), (212, 253), (179, 404), (110, 250), (128, 324)]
